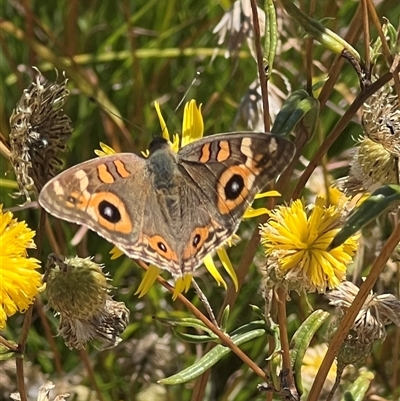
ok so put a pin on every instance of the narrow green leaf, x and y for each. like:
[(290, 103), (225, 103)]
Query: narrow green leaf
[(225, 318), (295, 108), (379, 201), (301, 340), (357, 390), (255, 325), (185, 322), (271, 34), (6, 353), (210, 359), (315, 29), (196, 338)]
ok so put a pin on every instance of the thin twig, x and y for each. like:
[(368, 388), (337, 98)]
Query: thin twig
[(337, 130), (205, 302), (283, 333), (367, 57), (19, 362), (222, 336), (85, 359), (12, 347), (351, 314), (309, 48), (260, 66), (39, 307)]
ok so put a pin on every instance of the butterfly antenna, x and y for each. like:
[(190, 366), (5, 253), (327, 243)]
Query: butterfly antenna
[(195, 79), (112, 113)]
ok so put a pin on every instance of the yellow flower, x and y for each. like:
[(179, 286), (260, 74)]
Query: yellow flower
[(19, 280), (295, 240), (311, 363)]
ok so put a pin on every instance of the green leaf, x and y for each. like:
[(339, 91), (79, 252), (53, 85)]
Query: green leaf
[(196, 338), (357, 390), (379, 201), (295, 108), (210, 359), (6, 353), (271, 34), (301, 340), (225, 317), (185, 322)]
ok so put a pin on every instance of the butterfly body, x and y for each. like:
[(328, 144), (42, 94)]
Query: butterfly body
[(170, 209)]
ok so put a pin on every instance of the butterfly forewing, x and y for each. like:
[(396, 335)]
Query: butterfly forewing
[(172, 220)]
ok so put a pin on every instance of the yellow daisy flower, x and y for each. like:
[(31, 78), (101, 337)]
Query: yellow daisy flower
[(20, 282), (295, 240), (311, 363)]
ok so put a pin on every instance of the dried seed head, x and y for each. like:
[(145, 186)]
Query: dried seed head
[(381, 119), (150, 358), (105, 327), (43, 394), (369, 326), (39, 131), (77, 288), (372, 166)]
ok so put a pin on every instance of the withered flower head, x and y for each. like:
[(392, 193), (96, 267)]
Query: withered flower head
[(381, 119), (372, 166), (374, 163), (76, 287), (105, 327), (369, 326), (150, 358), (44, 394), (78, 290), (236, 26), (39, 131)]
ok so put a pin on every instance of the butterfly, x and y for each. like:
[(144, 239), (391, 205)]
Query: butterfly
[(170, 209)]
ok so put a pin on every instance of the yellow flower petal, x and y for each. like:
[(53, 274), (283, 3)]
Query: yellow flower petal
[(267, 194), (20, 281), (116, 253), (251, 212), (175, 143), (193, 126), (210, 266), (105, 150), (148, 280), (164, 129), (182, 284), (226, 263)]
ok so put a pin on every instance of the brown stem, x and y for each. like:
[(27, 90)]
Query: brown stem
[(39, 307), (283, 332), (367, 39), (337, 130), (351, 37), (260, 66), (223, 337), (12, 347), (89, 370), (19, 362), (351, 314)]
